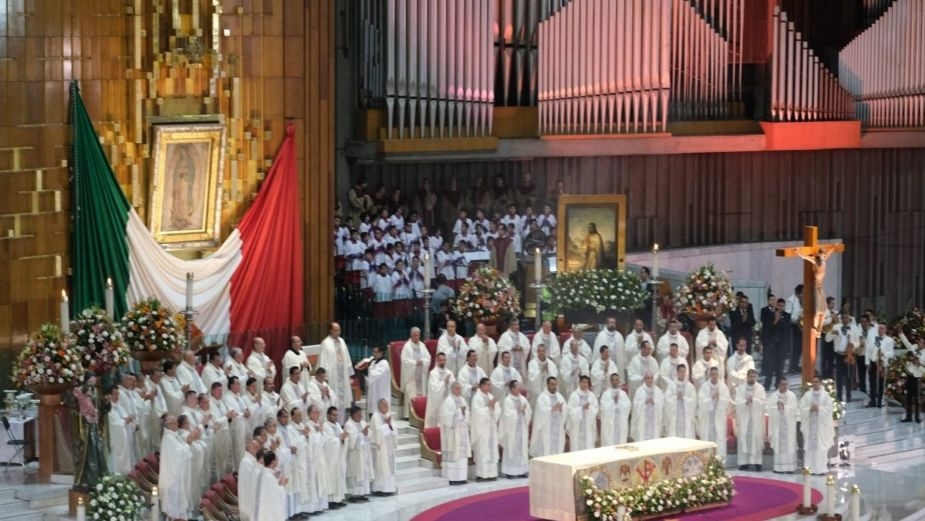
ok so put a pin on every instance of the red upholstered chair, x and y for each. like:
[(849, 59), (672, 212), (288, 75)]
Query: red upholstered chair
[(149, 474), (731, 442), (231, 483), (211, 512), (139, 480), (154, 460), (430, 445), (214, 493), (395, 361), (418, 408), (432, 349)]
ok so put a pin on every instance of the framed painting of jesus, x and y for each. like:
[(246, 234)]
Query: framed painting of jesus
[(184, 207), (591, 232)]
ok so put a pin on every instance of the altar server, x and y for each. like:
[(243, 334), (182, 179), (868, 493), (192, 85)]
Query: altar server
[(648, 404), (783, 409), (483, 431), (516, 342), (749, 410), (712, 410), (514, 431), (548, 435), (615, 408), (438, 388), (817, 427), (454, 436), (415, 364), (681, 406), (335, 358), (581, 422)]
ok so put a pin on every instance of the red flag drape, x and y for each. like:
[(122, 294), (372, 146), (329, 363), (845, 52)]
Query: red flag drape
[(266, 289)]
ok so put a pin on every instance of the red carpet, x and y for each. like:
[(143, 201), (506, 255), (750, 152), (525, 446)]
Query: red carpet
[(756, 499)]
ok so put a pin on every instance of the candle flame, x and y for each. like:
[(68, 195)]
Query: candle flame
[(64, 295), (108, 282), (655, 248)]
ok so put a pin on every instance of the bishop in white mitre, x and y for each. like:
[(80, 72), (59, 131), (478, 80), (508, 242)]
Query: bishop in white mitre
[(712, 410), (648, 403), (738, 366), (581, 422), (335, 358), (750, 402), (783, 408), (359, 456), (415, 364), (713, 337), (454, 346), (548, 435), (260, 364), (817, 427), (175, 477), (700, 373), (438, 388), (470, 375), (668, 368), (483, 431), (615, 408), (672, 336), (539, 369), (632, 344), (517, 344), (514, 431), (550, 340), (681, 406), (601, 370), (641, 364), (503, 375), (613, 339), (384, 441), (485, 347), (454, 436), (572, 366)]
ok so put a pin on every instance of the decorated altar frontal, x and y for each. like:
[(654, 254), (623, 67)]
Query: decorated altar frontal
[(618, 467)]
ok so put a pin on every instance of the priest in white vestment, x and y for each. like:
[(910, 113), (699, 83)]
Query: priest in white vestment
[(613, 339), (668, 368), (584, 348), (750, 402), (712, 411), (222, 416), (235, 365), (378, 380), (485, 347), (632, 344), (238, 423), (483, 431), (548, 434), (641, 364), (214, 371), (601, 370), (171, 389), (700, 373), (648, 403), (122, 427), (783, 409), (270, 494), (300, 490), (547, 337), (438, 388), (254, 404), (335, 460), (193, 435), (201, 421), (581, 422), (384, 442), (680, 411), (316, 500), (713, 337), (158, 410), (738, 366), (359, 456), (247, 488), (259, 364), (615, 408), (188, 376), (455, 447), (514, 432), (503, 375), (517, 344), (453, 346), (335, 358), (470, 375), (415, 364), (295, 357), (293, 393), (139, 404), (817, 427), (319, 392), (174, 480), (672, 336), (572, 366), (539, 369)]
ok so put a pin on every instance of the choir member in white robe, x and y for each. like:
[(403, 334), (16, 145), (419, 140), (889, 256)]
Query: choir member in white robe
[(270, 494), (470, 375), (632, 344), (711, 336), (738, 366), (384, 442), (485, 347), (293, 393), (359, 456), (238, 424), (295, 357), (214, 371), (316, 499), (514, 432), (750, 402), (192, 436), (415, 364), (187, 374), (438, 388), (158, 410), (319, 392), (700, 373), (572, 366), (504, 374), (783, 408), (817, 427), (668, 369), (712, 411), (517, 344), (648, 404), (335, 358), (483, 431), (247, 488), (453, 346), (548, 338), (171, 388), (548, 434), (680, 411), (259, 364), (300, 491), (641, 364), (235, 365), (378, 380), (601, 370), (581, 422), (539, 369), (615, 408), (174, 479), (122, 426), (335, 460), (584, 348), (672, 336), (613, 339), (453, 418)]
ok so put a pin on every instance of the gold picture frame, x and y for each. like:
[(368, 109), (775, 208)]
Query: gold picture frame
[(184, 205), (577, 245)]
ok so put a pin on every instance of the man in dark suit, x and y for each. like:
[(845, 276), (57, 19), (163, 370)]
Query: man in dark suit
[(742, 322), (776, 337)]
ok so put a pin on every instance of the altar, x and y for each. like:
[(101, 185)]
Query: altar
[(554, 490)]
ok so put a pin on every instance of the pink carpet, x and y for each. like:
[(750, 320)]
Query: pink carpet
[(756, 499)]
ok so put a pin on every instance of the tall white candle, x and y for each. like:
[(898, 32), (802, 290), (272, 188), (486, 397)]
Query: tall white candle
[(155, 505), (110, 300), (655, 261), (807, 491), (830, 496), (428, 269), (855, 503), (189, 290), (81, 510), (538, 266), (65, 314)]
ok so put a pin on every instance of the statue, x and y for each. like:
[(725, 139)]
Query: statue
[(90, 458), (818, 263)]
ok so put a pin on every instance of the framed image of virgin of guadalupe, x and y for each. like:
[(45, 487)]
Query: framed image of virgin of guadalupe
[(185, 209), (591, 232)]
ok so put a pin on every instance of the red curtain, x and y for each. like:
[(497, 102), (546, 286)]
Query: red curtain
[(266, 289)]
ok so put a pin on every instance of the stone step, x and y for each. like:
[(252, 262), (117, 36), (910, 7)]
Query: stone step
[(43, 496), (24, 515), (416, 473), (408, 439), (412, 462), (408, 450), (418, 485)]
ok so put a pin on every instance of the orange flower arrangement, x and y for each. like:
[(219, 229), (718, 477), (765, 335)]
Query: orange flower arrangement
[(150, 326), (48, 358)]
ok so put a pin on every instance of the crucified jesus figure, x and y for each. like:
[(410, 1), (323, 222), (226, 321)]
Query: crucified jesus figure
[(818, 262)]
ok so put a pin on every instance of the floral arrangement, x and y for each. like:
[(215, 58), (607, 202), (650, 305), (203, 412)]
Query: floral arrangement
[(828, 385), (48, 359), (98, 340), (115, 497), (662, 497), (598, 290), (912, 324), (706, 291), (150, 326), (488, 295), (895, 386)]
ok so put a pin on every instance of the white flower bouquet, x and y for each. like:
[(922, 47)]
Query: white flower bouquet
[(115, 497)]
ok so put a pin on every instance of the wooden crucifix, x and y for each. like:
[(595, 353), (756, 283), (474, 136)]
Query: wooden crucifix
[(814, 256)]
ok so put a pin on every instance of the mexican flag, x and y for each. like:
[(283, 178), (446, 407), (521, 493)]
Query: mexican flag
[(252, 283)]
